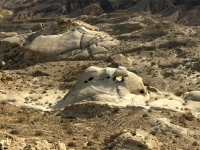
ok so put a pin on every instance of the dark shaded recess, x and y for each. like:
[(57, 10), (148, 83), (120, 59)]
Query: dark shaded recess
[(85, 81), (113, 65), (73, 5), (158, 6), (187, 2), (133, 3), (39, 73), (90, 79), (107, 6), (114, 78), (141, 91)]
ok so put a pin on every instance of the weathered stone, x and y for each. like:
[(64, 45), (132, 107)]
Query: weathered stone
[(138, 139), (37, 27), (107, 85)]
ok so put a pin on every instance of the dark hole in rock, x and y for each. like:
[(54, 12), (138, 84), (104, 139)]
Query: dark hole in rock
[(141, 91), (140, 146), (108, 77), (85, 81), (91, 78), (114, 78), (133, 133)]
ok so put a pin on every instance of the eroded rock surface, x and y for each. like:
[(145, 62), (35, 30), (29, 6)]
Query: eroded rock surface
[(65, 39), (115, 86), (138, 140)]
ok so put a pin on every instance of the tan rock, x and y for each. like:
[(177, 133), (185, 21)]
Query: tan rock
[(115, 86), (139, 139), (12, 142), (54, 25), (37, 27)]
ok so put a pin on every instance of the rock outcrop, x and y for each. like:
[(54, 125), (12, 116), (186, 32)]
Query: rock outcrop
[(139, 139), (65, 39), (115, 86), (12, 142), (79, 43)]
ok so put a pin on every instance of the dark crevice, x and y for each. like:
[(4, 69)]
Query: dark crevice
[(90, 79)]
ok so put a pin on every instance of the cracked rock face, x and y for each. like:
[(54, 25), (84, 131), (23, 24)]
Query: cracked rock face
[(115, 86), (72, 40), (78, 43)]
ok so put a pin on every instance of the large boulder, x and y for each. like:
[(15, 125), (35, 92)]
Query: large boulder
[(77, 43), (115, 86), (137, 140)]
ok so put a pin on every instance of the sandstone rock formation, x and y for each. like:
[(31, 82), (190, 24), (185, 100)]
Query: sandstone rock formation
[(193, 95), (5, 14), (85, 44), (7, 34), (115, 86), (139, 139), (74, 40)]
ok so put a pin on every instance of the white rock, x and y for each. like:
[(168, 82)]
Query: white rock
[(115, 86), (79, 39), (193, 95)]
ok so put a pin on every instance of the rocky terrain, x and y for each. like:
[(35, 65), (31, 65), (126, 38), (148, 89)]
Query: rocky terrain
[(94, 74)]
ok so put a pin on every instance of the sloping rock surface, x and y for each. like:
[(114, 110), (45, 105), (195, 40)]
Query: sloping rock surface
[(107, 85), (65, 39)]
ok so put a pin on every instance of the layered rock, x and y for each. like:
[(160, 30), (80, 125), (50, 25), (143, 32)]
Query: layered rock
[(78, 43), (74, 39), (115, 86)]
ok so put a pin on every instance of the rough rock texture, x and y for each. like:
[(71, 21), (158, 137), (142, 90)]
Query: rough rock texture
[(5, 14), (7, 34), (106, 85), (137, 140), (65, 39), (12, 142), (185, 12), (193, 95), (147, 42), (85, 44), (37, 27)]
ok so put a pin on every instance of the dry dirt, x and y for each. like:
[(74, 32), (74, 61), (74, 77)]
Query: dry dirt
[(91, 132)]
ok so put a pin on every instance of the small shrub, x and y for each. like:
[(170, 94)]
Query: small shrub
[(12, 100), (21, 119), (4, 102), (71, 144), (15, 131), (130, 113), (69, 131), (36, 119), (116, 110), (39, 133), (96, 135), (178, 93)]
